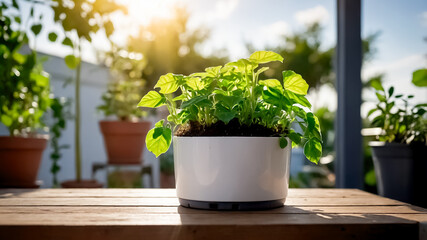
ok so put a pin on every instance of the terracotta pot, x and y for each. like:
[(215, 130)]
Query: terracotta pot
[(20, 160), (124, 141), (81, 184)]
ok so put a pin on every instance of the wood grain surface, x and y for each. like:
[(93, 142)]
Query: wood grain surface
[(129, 214)]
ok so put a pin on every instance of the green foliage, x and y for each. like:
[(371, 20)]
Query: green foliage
[(72, 61), (283, 142), (24, 86), (159, 138), (25, 94), (265, 57), (36, 29), (52, 36), (85, 17), (168, 83), (152, 99), (419, 77), (370, 178), (326, 122), (126, 87), (60, 111), (294, 82), (401, 123), (234, 91)]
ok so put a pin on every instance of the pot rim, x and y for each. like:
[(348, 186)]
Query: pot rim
[(22, 143), (374, 144), (386, 144), (37, 136)]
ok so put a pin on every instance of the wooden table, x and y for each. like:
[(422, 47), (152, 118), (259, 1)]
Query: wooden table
[(128, 214)]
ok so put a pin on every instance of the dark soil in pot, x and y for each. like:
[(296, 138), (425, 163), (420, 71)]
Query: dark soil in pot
[(233, 128)]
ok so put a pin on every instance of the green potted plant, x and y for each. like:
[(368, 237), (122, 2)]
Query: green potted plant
[(233, 133), (400, 154), (25, 97), (124, 137)]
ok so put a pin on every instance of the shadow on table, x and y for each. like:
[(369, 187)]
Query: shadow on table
[(14, 192), (293, 222)]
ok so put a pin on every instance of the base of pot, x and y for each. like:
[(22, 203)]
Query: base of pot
[(233, 206)]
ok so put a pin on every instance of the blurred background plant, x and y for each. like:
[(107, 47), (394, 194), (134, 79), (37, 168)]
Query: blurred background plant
[(399, 141), (24, 86), (126, 86), (25, 92), (399, 121), (61, 113)]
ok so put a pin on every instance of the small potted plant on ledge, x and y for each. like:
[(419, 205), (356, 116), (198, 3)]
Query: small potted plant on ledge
[(124, 137), (233, 133), (400, 155)]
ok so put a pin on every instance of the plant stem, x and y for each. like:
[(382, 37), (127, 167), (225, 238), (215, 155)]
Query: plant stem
[(78, 159)]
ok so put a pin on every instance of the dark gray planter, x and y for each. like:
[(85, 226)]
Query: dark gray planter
[(401, 171)]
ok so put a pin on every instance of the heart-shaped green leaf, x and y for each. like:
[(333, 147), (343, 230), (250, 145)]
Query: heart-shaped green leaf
[(67, 42), (313, 150), (419, 78), (273, 83), (167, 83), (71, 61), (195, 83), (159, 139), (294, 82), (265, 57), (52, 36), (36, 28), (224, 114), (152, 99), (283, 142)]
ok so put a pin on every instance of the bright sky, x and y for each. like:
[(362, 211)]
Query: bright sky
[(400, 47)]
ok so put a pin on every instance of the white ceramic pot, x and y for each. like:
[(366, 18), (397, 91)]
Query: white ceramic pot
[(233, 173)]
